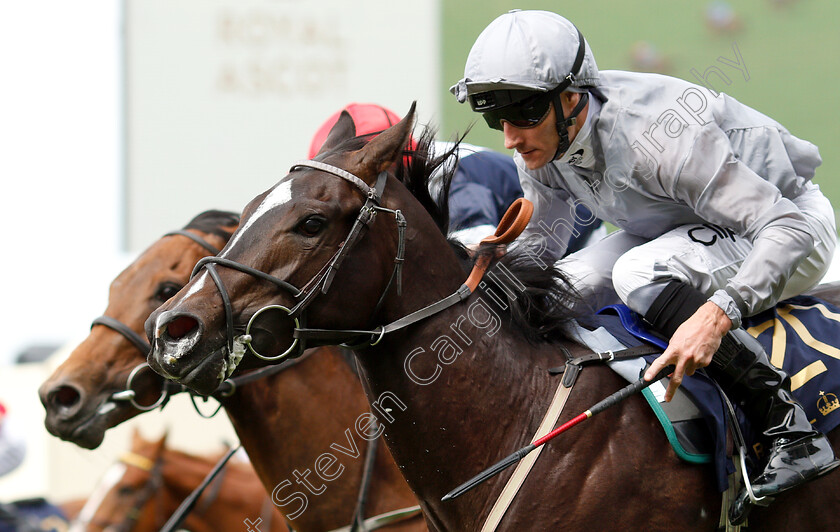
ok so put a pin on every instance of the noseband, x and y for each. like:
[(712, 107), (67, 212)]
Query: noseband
[(321, 281), (142, 344), (170, 388), (511, 225)]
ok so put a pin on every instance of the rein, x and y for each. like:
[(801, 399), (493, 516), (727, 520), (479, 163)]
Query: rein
[(170, 388), (177, 518), (152, 486), (511, 225), (322, 281)]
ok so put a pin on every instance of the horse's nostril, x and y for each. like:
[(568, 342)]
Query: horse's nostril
[(65, 396), (180, 327)]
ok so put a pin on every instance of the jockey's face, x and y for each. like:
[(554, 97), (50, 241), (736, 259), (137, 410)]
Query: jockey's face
[(537, 145)]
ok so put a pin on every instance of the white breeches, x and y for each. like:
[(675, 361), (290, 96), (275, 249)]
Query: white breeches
[(704, 256)]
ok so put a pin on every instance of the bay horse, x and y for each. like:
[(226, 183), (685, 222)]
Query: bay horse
[(148, 483), (313, 404), (457, 390)]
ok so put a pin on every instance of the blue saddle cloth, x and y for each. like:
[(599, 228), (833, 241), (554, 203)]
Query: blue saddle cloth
[(31, 515), (800, 335)]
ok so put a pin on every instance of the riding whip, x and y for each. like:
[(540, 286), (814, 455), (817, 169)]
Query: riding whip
[(186, 507), (612, 400)]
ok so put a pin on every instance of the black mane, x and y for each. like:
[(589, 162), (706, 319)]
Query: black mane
[(416, 169), (428, 176), (538, 301), (215, 222)]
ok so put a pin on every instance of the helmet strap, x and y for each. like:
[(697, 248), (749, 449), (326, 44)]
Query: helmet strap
[(563, 123)]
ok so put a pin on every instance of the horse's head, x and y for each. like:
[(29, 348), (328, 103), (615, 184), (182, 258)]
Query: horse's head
[(317, 249), (129, 494), (90, 393), (146, 486)]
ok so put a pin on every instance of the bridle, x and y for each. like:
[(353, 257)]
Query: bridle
[(511, 225), (170, 388), (322, 280), (142, 345), (152, 487)]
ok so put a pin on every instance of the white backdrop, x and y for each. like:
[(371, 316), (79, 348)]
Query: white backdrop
[(208, 95), (223, 95), (60, 166)]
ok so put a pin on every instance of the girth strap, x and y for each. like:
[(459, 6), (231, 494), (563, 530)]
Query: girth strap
[(357, 524), (382, 520), (523, 468)]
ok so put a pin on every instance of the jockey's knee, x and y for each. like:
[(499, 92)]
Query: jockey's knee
[(633, 270), (592, 284)]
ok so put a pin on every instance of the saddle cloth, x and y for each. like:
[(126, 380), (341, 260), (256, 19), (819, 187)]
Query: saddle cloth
[(31, 515), (800, 335)]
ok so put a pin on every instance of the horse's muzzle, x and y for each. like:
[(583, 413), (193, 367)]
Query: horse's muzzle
[(179, 352)]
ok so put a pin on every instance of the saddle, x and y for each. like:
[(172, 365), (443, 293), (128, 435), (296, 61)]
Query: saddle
[(799, 334)]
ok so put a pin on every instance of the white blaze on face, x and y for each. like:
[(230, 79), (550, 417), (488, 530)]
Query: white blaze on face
[(281, 195), (196, 286)]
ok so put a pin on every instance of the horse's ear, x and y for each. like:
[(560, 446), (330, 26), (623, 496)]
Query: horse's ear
[(343, 129), (385, 149)]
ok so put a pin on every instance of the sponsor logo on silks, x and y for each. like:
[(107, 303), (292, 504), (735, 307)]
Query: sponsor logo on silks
[(827, 403), (709, 234), (576, 157)]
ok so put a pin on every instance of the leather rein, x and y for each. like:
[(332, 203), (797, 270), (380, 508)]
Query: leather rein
[(511, 225), (170, 388), (226, 389)]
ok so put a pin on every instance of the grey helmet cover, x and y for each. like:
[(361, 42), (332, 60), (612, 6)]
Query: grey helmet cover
[(526, 50)]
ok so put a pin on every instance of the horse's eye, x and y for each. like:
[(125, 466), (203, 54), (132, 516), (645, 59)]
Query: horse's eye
[(166, 291), (125, 491), (311, 226)]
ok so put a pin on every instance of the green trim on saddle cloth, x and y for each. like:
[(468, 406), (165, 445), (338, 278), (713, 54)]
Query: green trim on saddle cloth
[(671, 433)]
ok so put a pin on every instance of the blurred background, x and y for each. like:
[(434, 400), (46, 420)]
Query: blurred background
[(121, 120)]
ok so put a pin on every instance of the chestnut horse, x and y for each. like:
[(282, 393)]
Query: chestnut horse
[(457, 390), (146, 486), (314, 405)]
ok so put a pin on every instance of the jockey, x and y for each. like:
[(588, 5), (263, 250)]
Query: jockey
[(484, 185), (717, 213)]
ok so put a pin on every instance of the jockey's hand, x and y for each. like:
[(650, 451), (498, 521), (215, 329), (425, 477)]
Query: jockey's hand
[(692, 346)]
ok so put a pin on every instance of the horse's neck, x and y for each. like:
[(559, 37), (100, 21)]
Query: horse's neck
[(233, 496), (180, 476), (311, 410), (437, 386)]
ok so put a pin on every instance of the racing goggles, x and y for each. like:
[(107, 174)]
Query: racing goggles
[(521, 109)]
